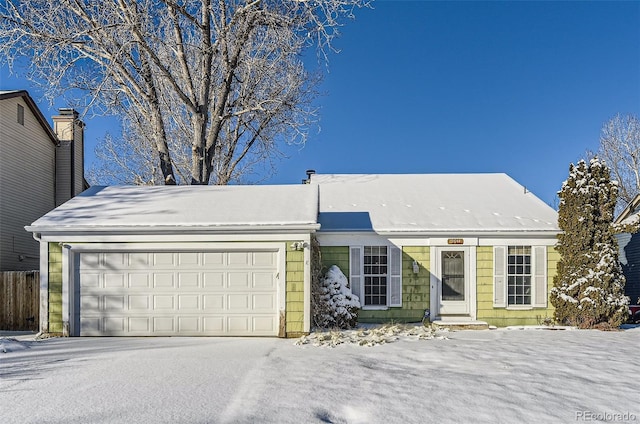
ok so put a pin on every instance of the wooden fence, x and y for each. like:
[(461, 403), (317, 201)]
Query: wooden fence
[(19, 300)]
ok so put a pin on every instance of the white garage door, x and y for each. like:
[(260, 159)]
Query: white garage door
[(177, 293)]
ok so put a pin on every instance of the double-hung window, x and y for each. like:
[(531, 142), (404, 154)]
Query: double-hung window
[(520, 276), (375, 275)]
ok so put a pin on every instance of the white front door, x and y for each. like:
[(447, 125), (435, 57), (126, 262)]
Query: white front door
[(453, 276)]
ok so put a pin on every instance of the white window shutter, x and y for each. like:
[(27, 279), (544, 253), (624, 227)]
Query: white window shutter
[(499, 277), (395, 276), (355, 272), (540, 276)]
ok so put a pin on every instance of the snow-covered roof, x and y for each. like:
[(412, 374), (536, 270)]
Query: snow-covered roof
[(391, 203), (176, 208), (430, 203), (631, 213)]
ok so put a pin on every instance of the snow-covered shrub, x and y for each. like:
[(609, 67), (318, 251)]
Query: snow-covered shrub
[(589, 285), (338, 307)]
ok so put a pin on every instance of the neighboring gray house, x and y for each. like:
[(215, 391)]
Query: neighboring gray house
[(629, 245), (40, 168)]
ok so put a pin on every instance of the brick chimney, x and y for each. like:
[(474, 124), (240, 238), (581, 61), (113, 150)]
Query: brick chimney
[(69, 155)]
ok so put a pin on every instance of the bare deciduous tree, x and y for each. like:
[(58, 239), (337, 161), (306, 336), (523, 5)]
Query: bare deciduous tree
[(620, 149), (221, 79)]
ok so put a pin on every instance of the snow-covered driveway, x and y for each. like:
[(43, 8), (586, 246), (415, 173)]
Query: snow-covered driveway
[(510, 376)]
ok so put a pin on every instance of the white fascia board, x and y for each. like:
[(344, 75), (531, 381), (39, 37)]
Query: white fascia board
[(427, 239), (537, 241), (154, 229), (172, 237), (468, 233)]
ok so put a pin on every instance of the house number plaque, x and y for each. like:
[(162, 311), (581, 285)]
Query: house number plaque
[(455, 241)]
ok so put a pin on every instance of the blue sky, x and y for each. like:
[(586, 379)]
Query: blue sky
[(457, 87)]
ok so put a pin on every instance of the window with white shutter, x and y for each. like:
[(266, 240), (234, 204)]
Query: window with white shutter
[(355, 271), (540, 277), (376, 275), (395, 290), (520, 276), (499, 292)]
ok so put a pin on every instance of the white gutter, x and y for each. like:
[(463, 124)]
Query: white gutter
[(163, 229)]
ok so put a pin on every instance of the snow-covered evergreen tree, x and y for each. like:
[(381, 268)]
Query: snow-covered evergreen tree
[(589, 285), (339, 306)]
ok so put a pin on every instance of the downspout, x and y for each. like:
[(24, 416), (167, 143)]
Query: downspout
[(73, 158), (44, 285)]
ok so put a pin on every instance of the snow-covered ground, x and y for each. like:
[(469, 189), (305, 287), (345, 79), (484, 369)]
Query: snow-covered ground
[(490, 376)]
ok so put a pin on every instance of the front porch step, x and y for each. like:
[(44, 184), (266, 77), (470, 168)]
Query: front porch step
[(459, 325)]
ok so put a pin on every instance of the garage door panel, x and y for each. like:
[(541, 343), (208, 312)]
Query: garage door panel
[(214, 324), (213, 302), (178, 293), (238, 324), (114, 303), (213, 280), (163, 302), (264, 324), (89, 261), (114, 280), (163, 325), (189, 260), (213, 258), (139, 303), (238, 280), (140, 324), (187, 303), (189, 279), (264, 280), (90, 304), (163, 280), (163, 259), (90, 280), (115, 260), (90, 326), (239, 259), (238, 302), (139, 281), (263, 302), (188, 324), (139, 260), (264, 259), (115, 325)]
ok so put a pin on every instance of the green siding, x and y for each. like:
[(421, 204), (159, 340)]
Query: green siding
[(335, 255), (294, 292), (415, 287), (55, 288), (502, 317)]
